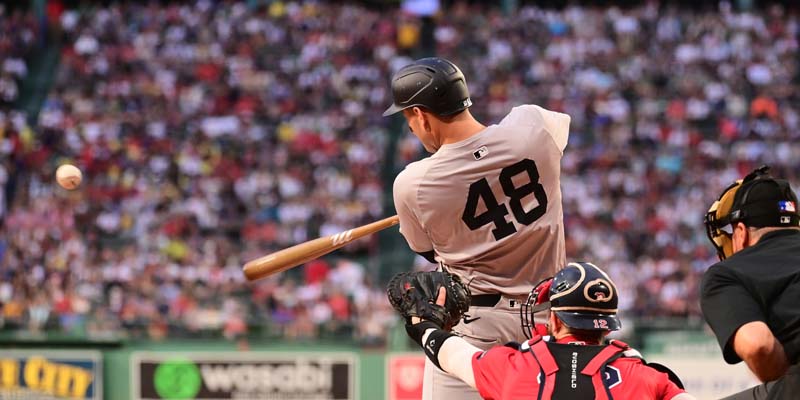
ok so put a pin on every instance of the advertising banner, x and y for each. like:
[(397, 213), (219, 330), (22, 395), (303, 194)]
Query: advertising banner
[(404, 376), (48, 374), (234, 375)]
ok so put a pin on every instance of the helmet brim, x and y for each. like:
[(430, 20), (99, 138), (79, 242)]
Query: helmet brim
[(393, 109), (589, 321)]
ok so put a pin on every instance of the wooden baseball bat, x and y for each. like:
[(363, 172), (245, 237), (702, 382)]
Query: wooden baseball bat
[(282, 260)]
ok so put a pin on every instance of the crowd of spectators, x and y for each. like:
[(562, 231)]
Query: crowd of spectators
[(18, 40), (208, 134), (668, 105), (211, 133)]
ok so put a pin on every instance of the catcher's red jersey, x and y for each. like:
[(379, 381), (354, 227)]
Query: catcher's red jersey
[(507, 373)]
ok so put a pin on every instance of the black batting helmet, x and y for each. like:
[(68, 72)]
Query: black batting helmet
[(433, 83)]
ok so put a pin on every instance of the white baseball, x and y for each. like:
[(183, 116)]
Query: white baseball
[(69, 176)]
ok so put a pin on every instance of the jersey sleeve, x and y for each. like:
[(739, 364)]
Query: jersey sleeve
[(727, 305), (405, 202), (557, 125), (667, 389), (490, 368), (640, 381)]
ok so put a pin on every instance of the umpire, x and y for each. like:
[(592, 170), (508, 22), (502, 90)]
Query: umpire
[(751, 298)]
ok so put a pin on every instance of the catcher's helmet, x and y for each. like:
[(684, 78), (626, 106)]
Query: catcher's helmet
[(581, 295), (433, 83), (758, 200)]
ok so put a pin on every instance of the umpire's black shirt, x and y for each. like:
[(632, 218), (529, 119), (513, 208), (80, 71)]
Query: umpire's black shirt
[(759, 283)]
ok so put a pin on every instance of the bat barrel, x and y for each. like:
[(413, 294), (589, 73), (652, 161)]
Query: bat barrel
[(304, 252)]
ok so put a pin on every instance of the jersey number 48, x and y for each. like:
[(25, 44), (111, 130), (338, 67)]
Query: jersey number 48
[(496, 212)]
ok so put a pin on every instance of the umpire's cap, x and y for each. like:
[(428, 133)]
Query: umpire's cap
[(433, 83), (584, 297)]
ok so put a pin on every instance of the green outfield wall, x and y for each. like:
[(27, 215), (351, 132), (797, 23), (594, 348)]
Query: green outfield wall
[(198, 369), (269, 369)]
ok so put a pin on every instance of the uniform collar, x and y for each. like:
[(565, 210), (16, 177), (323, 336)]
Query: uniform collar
[(569, 339), (761, 242), (779, 233)]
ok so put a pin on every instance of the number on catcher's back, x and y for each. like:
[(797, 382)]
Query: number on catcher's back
[(496, 212)]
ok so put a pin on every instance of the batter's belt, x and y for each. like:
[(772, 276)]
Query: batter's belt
[(485, 300), (496, 300)]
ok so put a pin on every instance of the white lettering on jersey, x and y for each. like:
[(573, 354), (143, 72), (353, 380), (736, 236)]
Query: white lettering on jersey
[(574, 370)]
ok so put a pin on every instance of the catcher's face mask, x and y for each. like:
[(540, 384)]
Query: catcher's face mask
[(538, 300)]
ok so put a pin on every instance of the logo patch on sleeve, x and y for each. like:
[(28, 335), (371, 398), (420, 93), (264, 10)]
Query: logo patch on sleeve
[(612, 376)]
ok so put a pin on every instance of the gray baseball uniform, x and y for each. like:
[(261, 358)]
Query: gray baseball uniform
[(490, 208)]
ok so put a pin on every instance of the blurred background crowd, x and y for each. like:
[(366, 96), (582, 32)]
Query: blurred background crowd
[(212, 133)]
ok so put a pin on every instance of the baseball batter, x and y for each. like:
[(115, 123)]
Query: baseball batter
[(478, 203)]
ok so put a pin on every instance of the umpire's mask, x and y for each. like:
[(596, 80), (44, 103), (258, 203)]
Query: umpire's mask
[(758, 200)]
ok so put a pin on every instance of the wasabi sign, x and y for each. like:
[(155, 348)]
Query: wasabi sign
[(46, 374), (243, 376)]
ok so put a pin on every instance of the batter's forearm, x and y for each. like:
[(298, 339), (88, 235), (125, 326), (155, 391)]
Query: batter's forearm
[(454, 356)]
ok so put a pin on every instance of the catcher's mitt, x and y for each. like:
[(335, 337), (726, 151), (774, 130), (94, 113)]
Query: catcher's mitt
[(413, 294)]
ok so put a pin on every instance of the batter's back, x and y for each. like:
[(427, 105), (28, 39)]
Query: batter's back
[(490, 205)]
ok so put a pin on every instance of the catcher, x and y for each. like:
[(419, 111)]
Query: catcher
[(573, 362)]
